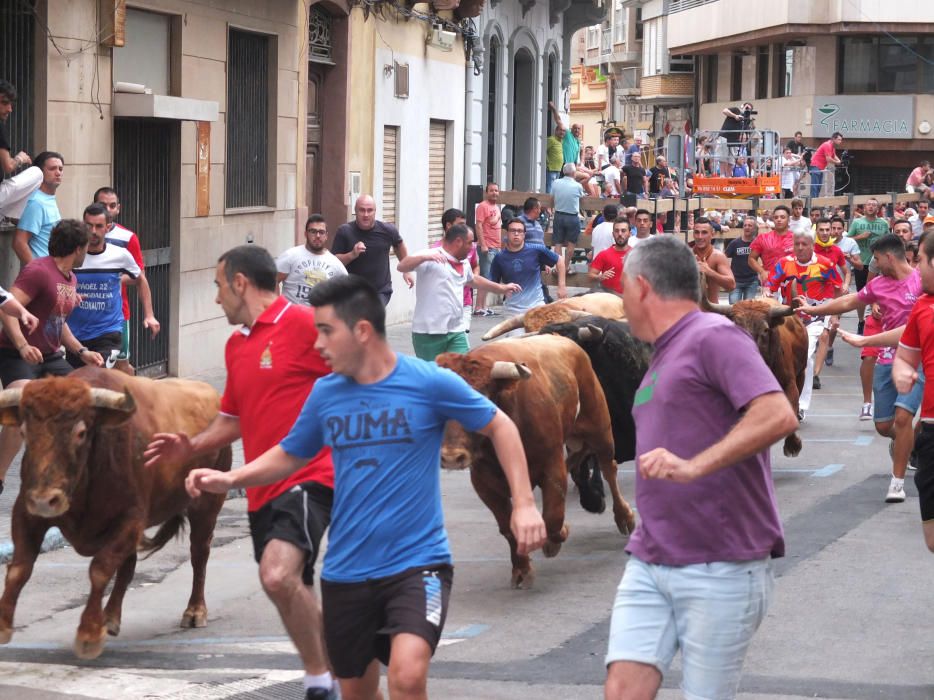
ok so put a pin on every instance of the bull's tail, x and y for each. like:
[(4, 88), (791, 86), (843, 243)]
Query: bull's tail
[(171, 528)]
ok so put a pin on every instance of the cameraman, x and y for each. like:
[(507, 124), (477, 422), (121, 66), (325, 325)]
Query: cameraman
[(825, 153), (735, 123)]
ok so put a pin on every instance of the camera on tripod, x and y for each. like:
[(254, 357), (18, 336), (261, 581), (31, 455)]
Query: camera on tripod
[(748, 114), (846, 158)]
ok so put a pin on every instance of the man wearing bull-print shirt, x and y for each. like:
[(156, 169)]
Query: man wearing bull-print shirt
[(706, 414), (387, 572)]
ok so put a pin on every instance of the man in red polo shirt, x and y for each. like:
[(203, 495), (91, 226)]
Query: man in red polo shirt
[(607, 267), (769, 248), (272, 366)]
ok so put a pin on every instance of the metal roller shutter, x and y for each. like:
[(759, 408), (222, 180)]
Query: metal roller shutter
[(390, 173), (437, 178)]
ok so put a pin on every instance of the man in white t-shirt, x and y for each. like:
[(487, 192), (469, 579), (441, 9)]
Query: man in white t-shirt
[(798, 222), (601, 237), (438, 323), (612, 177), (302, 267), (643, 227)]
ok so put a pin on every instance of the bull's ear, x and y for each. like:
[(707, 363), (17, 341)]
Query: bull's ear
[(9, 406)]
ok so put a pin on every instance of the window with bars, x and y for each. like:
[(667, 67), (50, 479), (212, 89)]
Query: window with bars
[(437, 177), (17, 65), (250, 119)]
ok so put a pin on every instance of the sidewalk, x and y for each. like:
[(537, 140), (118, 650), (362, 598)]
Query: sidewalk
[(399, 336)]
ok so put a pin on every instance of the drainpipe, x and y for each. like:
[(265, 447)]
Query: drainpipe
[(468, 127)]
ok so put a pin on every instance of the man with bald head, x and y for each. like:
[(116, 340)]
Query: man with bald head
[(363, 245)]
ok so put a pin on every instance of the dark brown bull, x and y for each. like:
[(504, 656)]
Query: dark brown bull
[(83, 473), (547, 386), (783, 343)]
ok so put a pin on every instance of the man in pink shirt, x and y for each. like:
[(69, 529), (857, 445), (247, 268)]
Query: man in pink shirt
[(825, 153), (489, 239), (769, 248)]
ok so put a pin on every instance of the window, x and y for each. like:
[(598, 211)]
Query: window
[(319, 35), (736, 77), (593, 37), (874, 64), (782, 70), (681, 63), (619, 22), (250, 106), (653, 49), (492, 107), (711, 70), (638, 24), (145, 57), (605, 43), (762, 73)]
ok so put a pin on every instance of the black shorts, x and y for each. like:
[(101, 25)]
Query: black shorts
[(860, 277), (108, 345), (13, 367), (924, 477), (360, 619), (299, 516)]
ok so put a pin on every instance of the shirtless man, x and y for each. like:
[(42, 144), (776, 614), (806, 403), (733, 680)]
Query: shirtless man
[(711, 262)]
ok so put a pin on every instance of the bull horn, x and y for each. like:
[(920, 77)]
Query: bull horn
[(114, 400), (510, 370), (722, 309), (510, 324), (10, 397), (575, 314), (779, 311), (590, 333)]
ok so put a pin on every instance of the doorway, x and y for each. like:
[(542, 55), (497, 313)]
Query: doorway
[(523, 134)]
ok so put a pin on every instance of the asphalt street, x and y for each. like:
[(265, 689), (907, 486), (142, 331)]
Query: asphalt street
[(847, 620)]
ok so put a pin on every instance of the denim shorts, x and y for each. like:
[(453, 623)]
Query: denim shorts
[(566, 228), (708, 611), (886, 397)]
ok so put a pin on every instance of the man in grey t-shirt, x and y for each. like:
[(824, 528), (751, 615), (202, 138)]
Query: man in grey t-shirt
[(302, 267)]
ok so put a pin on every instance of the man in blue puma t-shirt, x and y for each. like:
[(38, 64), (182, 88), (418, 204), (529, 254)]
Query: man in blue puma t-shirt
[(387, 571)]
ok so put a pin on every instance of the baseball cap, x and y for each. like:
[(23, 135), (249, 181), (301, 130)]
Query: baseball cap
[(929, 219)]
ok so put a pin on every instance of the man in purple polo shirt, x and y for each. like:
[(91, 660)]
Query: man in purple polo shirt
[(699, 576)]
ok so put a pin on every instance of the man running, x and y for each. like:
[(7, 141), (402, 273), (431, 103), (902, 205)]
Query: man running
[(772, 246), (387, 571), (895, 291), (711, 262)]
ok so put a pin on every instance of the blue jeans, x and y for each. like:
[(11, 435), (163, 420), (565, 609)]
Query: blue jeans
[(486, 260), (750, 290), (550, 177), (817, 179), (708, 611)]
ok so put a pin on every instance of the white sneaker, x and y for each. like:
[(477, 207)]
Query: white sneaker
[(866, 412), (896, 493)]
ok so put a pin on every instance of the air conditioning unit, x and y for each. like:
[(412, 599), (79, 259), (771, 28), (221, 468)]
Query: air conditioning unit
[(441, 38)]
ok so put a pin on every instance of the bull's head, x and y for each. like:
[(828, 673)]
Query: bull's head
[(493, 380), (757, 318), (58, 417)]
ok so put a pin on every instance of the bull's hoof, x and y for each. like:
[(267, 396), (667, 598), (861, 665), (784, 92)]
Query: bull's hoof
[(89, 648), (6, 634), (550, 549), (523, 579), (627, 523), (792, 445), (195, 617), (592, 503), (113, 625)]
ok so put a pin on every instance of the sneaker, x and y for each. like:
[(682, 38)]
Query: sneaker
[(913, 460), (480, 312), (801, 415), (332, 693), (896, 493), (865, 412), (490, 312), (828, 361), (816, 384)]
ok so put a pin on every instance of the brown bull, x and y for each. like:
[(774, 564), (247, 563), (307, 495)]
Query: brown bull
[(600, 304), (548, 388), (83, 473), (782, 342)]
